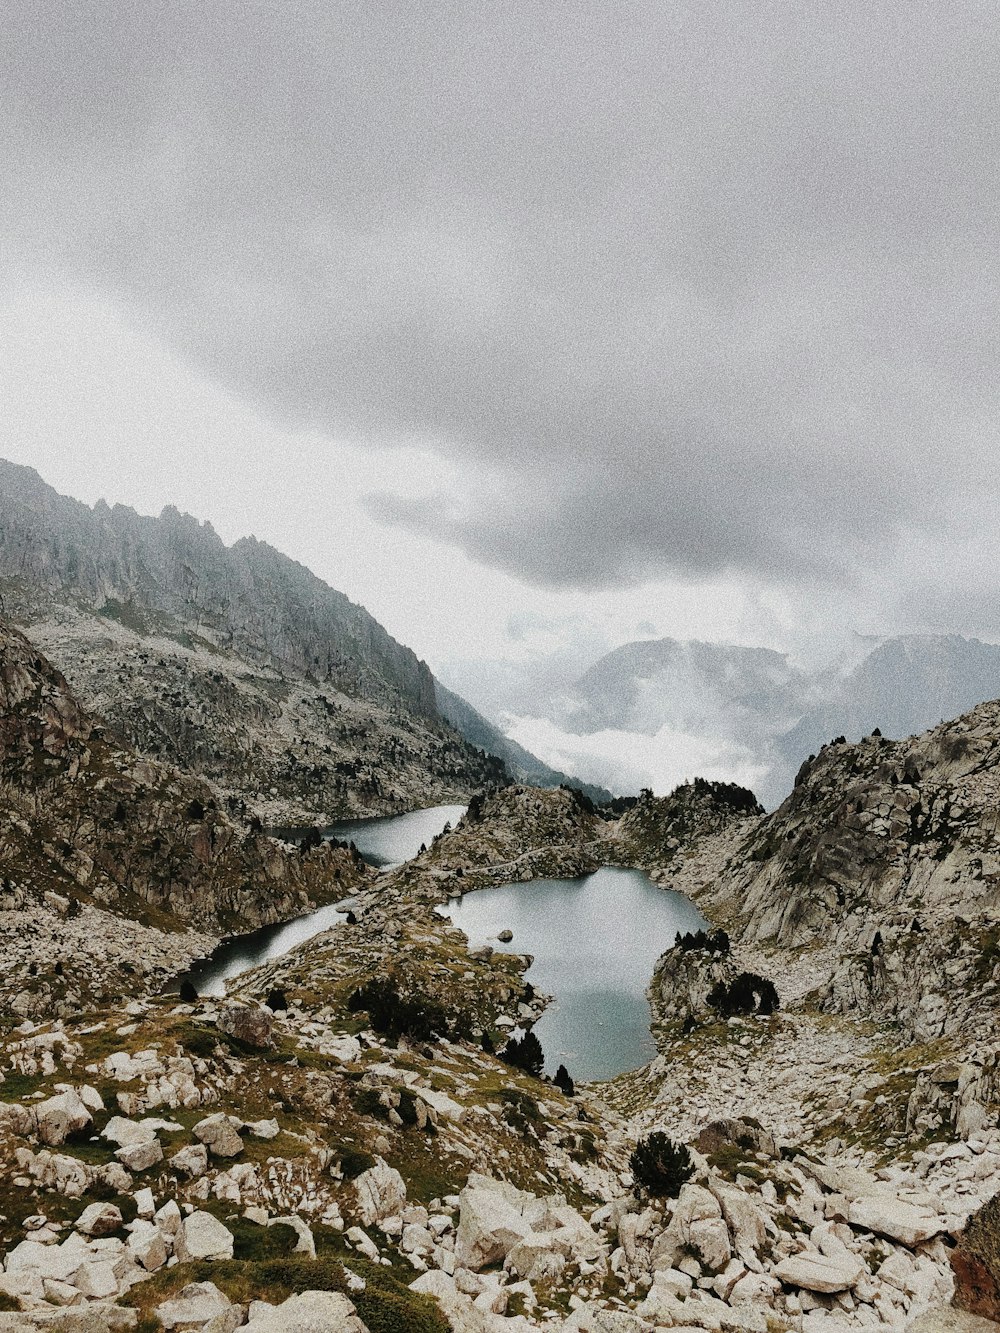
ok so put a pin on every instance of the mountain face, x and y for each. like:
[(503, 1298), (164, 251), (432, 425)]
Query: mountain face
[(728, 709), (88, 826), (886, 853), (905, 685), (523, 765), (745, 693), (247, 598), (232, 663)]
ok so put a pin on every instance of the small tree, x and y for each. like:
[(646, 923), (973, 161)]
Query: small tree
[(660, 1165), (563, 1081), (525, 1054)]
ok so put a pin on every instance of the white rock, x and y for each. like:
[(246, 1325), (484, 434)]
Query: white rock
[(816, 1272), (203, 1236), (381, 1192)]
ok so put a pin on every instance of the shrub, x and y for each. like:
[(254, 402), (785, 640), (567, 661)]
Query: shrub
[(353, 1161), (716, 942), (396, 1015), (661, 1166), (746, 994)]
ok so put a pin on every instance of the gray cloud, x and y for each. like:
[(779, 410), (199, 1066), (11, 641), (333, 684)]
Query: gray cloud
[(693, 288)]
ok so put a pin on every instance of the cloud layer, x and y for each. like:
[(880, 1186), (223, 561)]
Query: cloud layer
[(688, 289)]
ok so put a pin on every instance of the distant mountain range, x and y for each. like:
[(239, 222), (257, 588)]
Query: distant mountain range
[(236, 663), (717, 704)]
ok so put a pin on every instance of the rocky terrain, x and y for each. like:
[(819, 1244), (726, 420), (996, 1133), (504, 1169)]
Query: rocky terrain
[(118, 870), (335, 1143)]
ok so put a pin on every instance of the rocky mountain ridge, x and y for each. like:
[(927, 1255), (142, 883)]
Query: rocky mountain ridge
[(91, 831), (233, 663)]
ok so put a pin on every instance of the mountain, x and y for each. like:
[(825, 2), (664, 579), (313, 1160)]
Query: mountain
[(101, 847), (749, 714), (903, 686), (233, 663), (523, 765), (746, 694)]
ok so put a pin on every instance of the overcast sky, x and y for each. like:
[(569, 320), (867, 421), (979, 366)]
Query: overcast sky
[(532, 327)]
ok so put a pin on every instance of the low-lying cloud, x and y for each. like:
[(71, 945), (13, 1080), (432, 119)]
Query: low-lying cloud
[(686, 290)]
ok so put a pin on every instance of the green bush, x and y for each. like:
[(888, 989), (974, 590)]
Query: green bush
[(353, 1161), (660, 1165)]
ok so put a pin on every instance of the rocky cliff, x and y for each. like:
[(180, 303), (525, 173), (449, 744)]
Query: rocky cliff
[(89, 828), (232, 663)]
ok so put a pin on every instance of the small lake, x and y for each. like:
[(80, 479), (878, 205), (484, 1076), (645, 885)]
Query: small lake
[(395, 838), (381, 842), (595, 942)]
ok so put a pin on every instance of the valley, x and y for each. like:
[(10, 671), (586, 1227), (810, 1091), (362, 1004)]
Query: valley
[(346, 1121)]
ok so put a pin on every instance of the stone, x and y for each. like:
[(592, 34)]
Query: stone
[(897, 1219), (140, 1156), (191, 1161), (976, 1262), (818, 1272), (97, 1279), (489, 1226), (145, 1204), (220, 1134), (194, 1304), (946, 1320), (380, 1191), (125, 1132), (146, 1243), (203, 1236), (309, 1312), (247, 1023), (263, 1129), (99, 1219), (58, 1117)]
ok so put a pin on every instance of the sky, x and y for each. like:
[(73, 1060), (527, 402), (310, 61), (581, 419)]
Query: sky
[(534, 328)]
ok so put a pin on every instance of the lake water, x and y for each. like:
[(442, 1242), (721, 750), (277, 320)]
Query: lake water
[(395, 838), (595, 942), (381, 842)]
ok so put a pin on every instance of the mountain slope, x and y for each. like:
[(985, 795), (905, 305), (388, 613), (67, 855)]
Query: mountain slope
[(234, 663), (696, 687), (886, 853), (521, 763), (903, 686), (92, 833)]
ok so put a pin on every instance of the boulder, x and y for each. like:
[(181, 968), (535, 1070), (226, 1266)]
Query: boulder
[(220, 1133), (191, 1161), (58, 1117), (457, 1306), (194, 1305), (309, 1312), (146, 1243), (976, 1263), (247, 1023), (818, 1272), (945, 1320), (381, 1193), (897, 1219), (140, 1156), (203, 1236), (491, 1223), (124, 1132), (99, 1219)]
